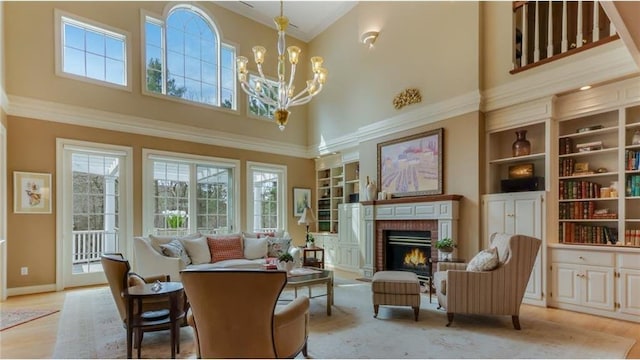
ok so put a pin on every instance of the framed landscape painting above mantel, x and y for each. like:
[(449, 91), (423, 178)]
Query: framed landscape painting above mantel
[(412, 165)]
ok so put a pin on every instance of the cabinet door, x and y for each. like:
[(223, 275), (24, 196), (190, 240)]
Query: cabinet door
[(526, 216), (598, 287), (534, 287), (630, 291), (565, 283), (495, 217)]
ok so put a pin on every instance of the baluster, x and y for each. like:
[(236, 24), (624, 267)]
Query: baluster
[(525, 48), (565, 42), (596, 21), (579, 26), (536, 34), (550, 30)]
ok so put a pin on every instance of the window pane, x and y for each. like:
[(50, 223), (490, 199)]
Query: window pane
[(73, 36), (74, 61), (209, 53), (192, 68), (95, 67), (115, 72), (175, 63), (194, 92), (175, 40), (209, 94), (154, 54), (176, 87), (115, 49), (227, 78), (153, 34), (95, 43), (227, 99), (192, 46)]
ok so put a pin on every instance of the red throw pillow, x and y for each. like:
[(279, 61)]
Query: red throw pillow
[(225, 247)]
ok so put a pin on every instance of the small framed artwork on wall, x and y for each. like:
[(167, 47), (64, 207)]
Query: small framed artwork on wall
[(31, 193), (301, 200)]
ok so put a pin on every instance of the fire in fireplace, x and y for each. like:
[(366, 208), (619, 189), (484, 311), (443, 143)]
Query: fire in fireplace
[(408, 251)]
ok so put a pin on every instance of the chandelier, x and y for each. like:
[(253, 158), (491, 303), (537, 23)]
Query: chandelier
[(281, 96)]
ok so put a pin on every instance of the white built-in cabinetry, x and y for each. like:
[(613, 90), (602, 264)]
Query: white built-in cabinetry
[(342, 250), (598, 281), (519, 213)]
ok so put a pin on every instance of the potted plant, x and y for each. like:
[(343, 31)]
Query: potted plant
[(285, 262), (445, 246), (311, 241)]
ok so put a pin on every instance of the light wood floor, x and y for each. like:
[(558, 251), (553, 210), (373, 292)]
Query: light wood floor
[(37, 338)]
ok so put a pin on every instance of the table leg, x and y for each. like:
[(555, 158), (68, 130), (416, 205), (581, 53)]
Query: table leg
[(129, 326), (329, 296), (172, 317), (430, 287)]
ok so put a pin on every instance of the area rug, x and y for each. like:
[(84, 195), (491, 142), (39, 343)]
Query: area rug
[(90, 328), (12, 318)]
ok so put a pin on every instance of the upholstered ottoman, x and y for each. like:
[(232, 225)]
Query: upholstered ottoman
[(400, 288)]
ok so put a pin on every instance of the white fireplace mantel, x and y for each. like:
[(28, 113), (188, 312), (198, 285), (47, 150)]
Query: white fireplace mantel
[(442, 208)]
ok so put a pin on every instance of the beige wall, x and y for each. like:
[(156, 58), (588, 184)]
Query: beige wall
[(419, 46), (462, 172), (30, 56), (32, 147)]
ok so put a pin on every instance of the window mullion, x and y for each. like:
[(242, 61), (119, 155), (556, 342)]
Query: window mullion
[(193, 184)]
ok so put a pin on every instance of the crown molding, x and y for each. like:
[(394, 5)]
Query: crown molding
[(611, 64), (75, 115), (520, 114), (421, 116)]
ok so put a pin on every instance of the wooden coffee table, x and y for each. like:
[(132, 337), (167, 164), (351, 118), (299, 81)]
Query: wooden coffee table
[(318, 276)]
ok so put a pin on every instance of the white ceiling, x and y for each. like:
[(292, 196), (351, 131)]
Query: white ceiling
[(307, 19)]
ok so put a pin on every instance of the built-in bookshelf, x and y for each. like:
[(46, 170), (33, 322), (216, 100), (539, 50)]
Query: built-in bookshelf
[(599, 180), (336, 183)]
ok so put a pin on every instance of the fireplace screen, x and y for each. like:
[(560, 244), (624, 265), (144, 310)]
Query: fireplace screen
[(408, 251)]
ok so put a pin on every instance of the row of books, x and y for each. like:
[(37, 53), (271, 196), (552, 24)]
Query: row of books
[(632, 237), (632, 159), (633, 185), (584, 210), (577, 189), (587, 234), (566, 167), (566, 146)]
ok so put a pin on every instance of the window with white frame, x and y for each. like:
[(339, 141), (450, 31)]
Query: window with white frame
[(91, 51), (185, 58), (269, 89), (186, 194), (266, 197)]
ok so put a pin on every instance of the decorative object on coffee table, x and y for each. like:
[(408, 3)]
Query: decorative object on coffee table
[(521, 146), (285, 262)]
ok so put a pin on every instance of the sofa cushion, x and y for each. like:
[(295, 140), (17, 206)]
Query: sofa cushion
[(174, 248), (277, 246), (230, 264), (198, 250), (485, 260), (255, 248), (225, 247), (157, 240), (264, 234)]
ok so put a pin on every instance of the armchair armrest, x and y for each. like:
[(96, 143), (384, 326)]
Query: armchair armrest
[(154, 278), (444, 266), (149, 262), (291, 327)]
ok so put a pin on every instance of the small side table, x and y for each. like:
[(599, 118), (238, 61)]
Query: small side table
[(172, 290), (432, 263), (313, 257)]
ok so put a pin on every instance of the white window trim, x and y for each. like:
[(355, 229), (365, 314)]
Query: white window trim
[(160, 20), (126, 193), (283, 214), (58, 15), (147, 178)]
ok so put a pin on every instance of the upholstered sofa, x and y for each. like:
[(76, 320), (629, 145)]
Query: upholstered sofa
[(172, 254)]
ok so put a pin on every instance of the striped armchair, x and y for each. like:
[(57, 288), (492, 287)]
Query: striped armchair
[(496, 292)]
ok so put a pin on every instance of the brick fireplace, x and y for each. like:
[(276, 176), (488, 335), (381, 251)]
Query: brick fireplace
[(437, 214)]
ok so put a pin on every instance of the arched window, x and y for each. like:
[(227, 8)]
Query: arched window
[(186, 59)]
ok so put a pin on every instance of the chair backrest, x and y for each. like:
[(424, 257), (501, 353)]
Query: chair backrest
[(116, 269), (233, 311), (517, 254)]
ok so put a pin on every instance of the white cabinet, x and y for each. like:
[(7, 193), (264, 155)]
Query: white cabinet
[(342, 250), (585, 281), (519, 213)]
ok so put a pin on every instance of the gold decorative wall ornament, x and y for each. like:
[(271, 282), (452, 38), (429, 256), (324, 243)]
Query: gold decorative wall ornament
[(407, 97)]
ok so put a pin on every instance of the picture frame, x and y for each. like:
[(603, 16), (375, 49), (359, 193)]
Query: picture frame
[(31, 193), (521, 171), (301, 199), (412, 165)]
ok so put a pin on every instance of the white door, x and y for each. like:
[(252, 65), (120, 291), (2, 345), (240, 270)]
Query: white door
[(630, 291), (95, 200), (566, 281), (598, 287)]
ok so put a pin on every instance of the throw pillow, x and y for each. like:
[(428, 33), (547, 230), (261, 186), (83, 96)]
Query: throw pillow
[(485, 260), (225, 247), (174, 248), (156, 240), (277, 246), (255, 248), (198, 250)]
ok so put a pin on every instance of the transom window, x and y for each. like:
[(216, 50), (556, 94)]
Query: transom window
[(257, 107), (89, 51), (266, 197), (186, 59), (189, 194)]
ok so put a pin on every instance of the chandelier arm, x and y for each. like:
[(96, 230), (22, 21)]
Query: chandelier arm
[(261, 73), (302, 101), (247, 89), (293, 75), (294, 101)]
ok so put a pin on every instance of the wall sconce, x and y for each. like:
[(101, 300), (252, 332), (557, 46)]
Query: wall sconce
[(369, 37)]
